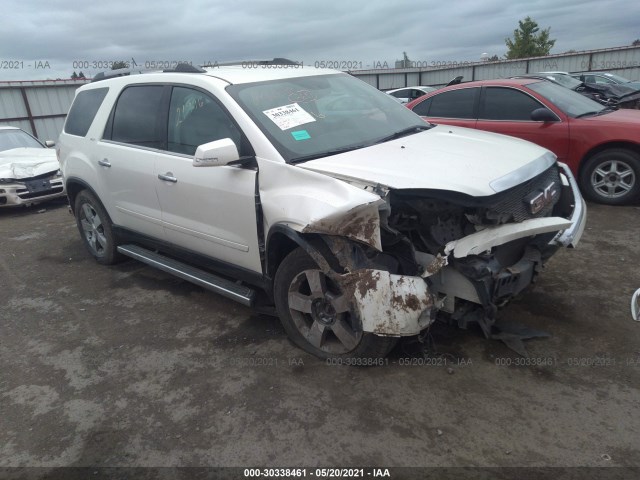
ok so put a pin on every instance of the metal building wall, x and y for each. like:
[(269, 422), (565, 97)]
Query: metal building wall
[(624, 61), (38, 107)]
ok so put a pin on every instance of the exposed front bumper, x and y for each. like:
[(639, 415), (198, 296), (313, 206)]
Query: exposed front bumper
[(571, 236), (388, 304), (569, 229)]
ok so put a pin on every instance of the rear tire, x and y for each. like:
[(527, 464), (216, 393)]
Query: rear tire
[(317, 316), (612, 177), (96, 229)]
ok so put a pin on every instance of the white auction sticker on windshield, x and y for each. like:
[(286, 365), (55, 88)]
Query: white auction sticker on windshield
[(289, 116)]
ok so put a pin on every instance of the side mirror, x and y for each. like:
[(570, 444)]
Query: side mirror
[(543, 115), (457, 80), (216, 154), (635, 306), (49, 143)]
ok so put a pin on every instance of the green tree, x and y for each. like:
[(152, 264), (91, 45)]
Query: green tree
[(119, 64), (529, 41), (74, 75), (493, 58), (81, 75), (636, 42)]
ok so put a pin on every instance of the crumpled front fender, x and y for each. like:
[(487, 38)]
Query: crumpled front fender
[(310, 202)]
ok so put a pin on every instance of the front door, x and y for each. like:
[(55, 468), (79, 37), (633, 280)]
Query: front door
[(209, 210)]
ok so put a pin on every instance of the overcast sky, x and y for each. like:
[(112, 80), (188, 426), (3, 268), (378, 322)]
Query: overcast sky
[(42, 39)]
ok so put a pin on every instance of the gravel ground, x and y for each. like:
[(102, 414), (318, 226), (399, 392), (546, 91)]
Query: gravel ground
[(127, 366)]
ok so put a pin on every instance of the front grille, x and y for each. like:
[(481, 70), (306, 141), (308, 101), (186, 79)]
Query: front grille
[(511, 206), (40, 186), (42, 193)]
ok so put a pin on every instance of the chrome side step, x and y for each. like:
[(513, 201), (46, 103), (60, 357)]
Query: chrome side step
[(222, 286)]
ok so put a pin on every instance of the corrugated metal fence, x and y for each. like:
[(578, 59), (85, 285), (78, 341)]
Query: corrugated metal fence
[(38, 107), (624, 61)]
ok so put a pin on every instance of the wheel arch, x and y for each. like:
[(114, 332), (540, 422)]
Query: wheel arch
[(634, 147), (74, 186), (282, 240)]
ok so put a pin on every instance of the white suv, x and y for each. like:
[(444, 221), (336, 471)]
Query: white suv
[(356, 220)]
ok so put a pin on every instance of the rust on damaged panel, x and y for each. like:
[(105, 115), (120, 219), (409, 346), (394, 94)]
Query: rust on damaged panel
[(409, 302), (388, 327), (389, 304), (435, 266), (361, 224), (360, 280)]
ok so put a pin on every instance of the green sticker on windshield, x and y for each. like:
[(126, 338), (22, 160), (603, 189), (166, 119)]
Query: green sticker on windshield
[(301, 135)]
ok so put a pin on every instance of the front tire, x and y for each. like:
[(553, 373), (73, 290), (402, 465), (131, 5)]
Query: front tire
[(317, 316), (96, 229), (612, 177)]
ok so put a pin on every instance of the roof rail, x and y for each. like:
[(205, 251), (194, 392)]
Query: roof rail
[(275, 61), (121, 72), (185, 68), (188, 68), (118, 72)]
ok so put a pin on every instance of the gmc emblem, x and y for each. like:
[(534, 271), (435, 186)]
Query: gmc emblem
[(540, 199)]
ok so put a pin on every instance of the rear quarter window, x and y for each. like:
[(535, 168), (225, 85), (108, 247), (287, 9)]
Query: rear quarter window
[(83, 111)]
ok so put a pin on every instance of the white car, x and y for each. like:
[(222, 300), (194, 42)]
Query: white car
[(358, 221), (407, 94), (29, 170)]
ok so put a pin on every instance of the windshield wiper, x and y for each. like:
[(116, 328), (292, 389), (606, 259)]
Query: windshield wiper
[(404, 132), (327, 153)]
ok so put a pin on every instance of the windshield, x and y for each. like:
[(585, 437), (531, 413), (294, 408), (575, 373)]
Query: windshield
[(315, 116), (564, 80), (570, 102), (17, 139), (617, 78)]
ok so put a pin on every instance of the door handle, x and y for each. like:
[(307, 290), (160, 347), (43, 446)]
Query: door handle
[(167, 177), (104, 163)]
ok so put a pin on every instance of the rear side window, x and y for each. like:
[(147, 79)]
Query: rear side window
[(454, 104), (138, 116), (83, 111), (422, 108)]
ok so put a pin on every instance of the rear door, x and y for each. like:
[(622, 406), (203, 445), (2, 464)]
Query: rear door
[(507, 110), (126, 155)]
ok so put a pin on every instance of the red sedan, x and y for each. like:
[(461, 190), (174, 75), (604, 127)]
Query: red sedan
[(600, 145)]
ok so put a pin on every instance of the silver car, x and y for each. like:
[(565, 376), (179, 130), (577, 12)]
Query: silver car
[(29, 170)]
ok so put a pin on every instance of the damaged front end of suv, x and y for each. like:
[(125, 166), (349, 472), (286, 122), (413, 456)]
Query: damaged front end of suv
[(476, 254), (390, 267)]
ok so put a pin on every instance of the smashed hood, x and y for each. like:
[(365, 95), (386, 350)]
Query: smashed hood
[(612, 91), (19, 163), (444, 158)]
